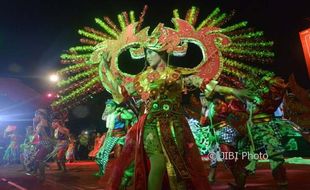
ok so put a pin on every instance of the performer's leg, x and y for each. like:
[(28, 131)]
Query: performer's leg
[(279, 171), (41, 170), (213, 163), (236, 167), (40, 164), (158, 168), (239, 173), (225, 150), (154, 151), (274, 150), (279, 174), (58, 164), (63, 165), (61, 159), (212, 173)]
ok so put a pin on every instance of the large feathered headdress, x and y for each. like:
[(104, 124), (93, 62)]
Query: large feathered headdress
[(227, 52)]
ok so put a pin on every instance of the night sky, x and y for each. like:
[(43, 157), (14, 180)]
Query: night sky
[(33, 33)]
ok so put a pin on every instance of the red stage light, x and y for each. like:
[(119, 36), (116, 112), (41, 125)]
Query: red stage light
[(305, 41)]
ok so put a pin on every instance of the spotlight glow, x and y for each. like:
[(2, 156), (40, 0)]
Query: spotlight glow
[(54, 78)]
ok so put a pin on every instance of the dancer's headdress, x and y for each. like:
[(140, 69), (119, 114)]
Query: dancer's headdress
[(227, 52)]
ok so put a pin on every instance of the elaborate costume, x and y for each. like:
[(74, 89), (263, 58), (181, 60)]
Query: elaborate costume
[(117, 120), (227, 117), (296, 107), (11, 154), (201, 135), (61, 134), (42, 142), (262, 136), (162, 134), (28, 149)]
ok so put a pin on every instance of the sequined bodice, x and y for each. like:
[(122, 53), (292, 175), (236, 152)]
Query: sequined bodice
[(155, 85)]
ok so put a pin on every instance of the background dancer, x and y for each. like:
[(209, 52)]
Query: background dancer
[(117, 121), (11, 154), (61, 134), (42, 141)]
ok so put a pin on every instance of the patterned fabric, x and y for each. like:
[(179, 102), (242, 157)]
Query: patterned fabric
[(201, 135), (43, 150), (59, 150), (28, 150), (11, 153), (134, 151), (162, 91), (265, 141), (151, 140), (102, 156), (29, 156), (228, 135), (215, 152)]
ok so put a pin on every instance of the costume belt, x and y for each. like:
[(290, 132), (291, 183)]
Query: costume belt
[(118, 132), (262, 118)]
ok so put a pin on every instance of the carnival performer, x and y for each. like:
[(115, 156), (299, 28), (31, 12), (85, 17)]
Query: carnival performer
[(97, 145), (213, 149), (161, 88), (296, 107), (227, 117), (11, 154), (61, 134), (192, 106), (70, 153), (27, 149), (161, 135), (117, 121), (42, 142), (261, 134)]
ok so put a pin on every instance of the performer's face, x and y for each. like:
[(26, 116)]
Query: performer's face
[(153, 58)]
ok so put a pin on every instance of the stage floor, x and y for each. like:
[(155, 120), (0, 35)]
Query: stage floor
[(79, 177)]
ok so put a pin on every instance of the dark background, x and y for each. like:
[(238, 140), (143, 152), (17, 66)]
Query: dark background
[(34, 33)]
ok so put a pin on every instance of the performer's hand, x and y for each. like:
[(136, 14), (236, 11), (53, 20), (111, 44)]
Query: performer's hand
[(119, 109), (210, 87)]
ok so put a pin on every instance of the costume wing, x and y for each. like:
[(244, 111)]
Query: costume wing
[(230, 53), (84, 74)]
